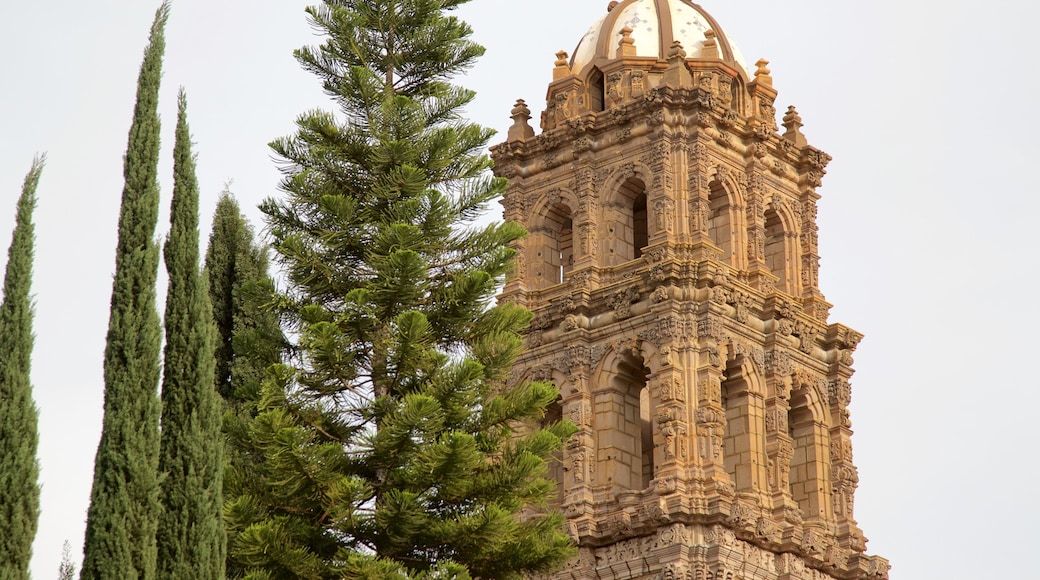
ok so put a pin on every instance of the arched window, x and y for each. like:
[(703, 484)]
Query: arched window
[(552, 241), (625, 441), (720, 222), (627, 223), (566, 248), (597, 91), (646, 436), (743, 443), (640, 233), (776, 248), (806, 479), (554, 414)]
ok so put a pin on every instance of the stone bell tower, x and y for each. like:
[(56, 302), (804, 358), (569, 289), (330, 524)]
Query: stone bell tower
[(672, 268)]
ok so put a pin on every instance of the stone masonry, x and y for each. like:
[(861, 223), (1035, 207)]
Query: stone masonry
[(672, 266)]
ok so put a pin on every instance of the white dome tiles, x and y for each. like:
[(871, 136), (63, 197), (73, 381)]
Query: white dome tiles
[(688, 24)]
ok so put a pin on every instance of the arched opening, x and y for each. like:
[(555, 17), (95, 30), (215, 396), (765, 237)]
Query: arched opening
[(743, 440), (640, 228), (624, 428), (776, 247), (597, 91), (646, 436), (552, 242), (628, 230), (566, 248), (720, 222), (554, 414), (805, 481)]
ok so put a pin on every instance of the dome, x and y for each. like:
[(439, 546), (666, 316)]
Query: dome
[(655, 24)]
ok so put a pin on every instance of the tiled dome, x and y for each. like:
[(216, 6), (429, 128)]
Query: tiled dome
[(655, 24)]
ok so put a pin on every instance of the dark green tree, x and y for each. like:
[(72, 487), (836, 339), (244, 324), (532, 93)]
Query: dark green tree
[(190, 536), (395, 444), (124, 502), (249, 337), (19, 470)]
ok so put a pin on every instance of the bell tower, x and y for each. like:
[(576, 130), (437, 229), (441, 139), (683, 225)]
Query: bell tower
[(672, 269)]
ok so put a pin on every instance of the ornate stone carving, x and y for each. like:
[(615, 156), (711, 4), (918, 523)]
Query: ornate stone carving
[(622, 301), (783, 462), (741, 515), (664, 215), (638, 84), (699, 209), (779, 362), (840, 392), (673, 391), (710, 425), (659, 295), (845, 480), (767, 530), (841, 450), (588, 241)]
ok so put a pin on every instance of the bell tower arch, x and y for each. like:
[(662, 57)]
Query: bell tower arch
[(672, 268)]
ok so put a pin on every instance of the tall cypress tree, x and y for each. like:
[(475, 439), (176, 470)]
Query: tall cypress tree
[(249, 337), (124, 504), (391, 445), (19, 471), (190, 535)]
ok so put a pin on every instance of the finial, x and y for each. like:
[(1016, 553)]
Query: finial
[(762, 73), (676, 51), (710, 49), (627, 44), (612, 5), (563, 66), (677, 74), (793, 124), (520, 130)]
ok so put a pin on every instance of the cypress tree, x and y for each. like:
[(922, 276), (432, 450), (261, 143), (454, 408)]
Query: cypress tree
[(249, 337), (124, 506), (190, 535), (67, 569), (394, 444), (19, 470)]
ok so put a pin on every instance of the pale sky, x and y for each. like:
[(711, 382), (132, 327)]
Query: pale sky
[(926, 220)]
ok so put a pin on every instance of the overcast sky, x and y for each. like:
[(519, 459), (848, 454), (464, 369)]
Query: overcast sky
[(927, 224)]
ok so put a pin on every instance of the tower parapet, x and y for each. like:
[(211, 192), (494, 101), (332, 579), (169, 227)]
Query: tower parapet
[(672, 266)]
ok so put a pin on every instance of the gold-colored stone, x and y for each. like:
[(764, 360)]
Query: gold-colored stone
[(672, 268)]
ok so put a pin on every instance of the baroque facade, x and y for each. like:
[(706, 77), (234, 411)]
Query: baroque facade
[(672, 269)]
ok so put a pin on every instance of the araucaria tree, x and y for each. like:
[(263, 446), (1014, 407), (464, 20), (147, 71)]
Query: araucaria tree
[(190, 535), (395, 445), (19, 471), (124, 504)]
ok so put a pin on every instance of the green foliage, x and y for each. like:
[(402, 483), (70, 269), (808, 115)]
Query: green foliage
[(124, 505), (19, 470), (393, 444), (190, 536), (67, 569), (249, 338)]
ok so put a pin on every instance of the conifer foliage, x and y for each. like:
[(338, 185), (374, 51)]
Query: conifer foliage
[(19, 471), (124, 506), (249, 337), (190, 536), (395, 445)]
